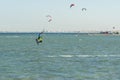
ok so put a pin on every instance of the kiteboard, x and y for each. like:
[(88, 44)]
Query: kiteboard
[(37, 41)]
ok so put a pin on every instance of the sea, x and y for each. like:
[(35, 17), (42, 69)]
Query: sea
[(61, 56)]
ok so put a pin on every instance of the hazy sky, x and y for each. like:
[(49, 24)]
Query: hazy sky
[(30, 15)]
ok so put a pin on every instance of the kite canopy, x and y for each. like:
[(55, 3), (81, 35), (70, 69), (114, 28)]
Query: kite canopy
[(72, 5), (113, 27), (84, 9), (49, 18)]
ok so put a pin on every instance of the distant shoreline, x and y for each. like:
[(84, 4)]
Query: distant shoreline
[(74, 32), (44, 33)]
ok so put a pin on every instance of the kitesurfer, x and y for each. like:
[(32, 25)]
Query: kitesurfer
[(39, 39)]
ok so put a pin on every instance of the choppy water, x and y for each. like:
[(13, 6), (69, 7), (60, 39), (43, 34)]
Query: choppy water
[(59, 57)]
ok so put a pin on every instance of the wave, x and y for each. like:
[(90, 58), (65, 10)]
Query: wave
[(84, 56), (12, 36)]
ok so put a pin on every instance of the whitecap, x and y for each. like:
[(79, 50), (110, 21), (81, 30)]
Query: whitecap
[(12, 36), (51, 56), (83, 56), (98, 55), (66, 55)]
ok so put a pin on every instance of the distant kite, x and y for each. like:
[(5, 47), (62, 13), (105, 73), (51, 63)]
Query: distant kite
[(72, 5), (113, 27), (84, 9), (49, 18)]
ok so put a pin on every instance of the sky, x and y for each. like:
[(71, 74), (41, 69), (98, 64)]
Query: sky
[(30, 15)]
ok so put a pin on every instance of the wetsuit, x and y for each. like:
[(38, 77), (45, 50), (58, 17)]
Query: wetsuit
[(39, 39)]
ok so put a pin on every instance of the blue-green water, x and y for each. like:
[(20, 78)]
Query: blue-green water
[(59, 57)]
